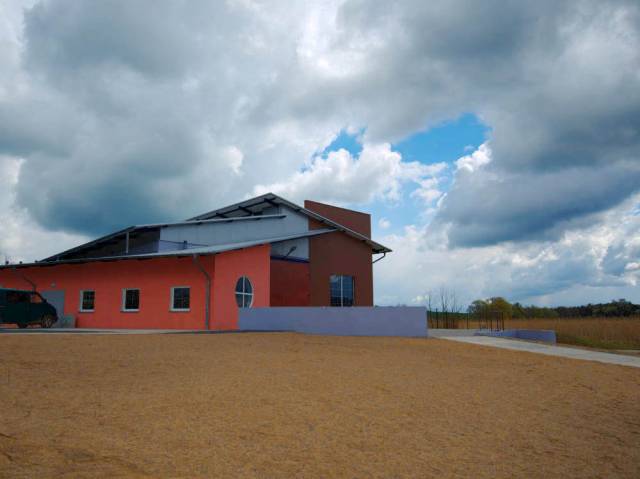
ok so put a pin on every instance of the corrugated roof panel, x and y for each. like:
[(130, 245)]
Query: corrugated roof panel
[(205, 250), (274, 199)]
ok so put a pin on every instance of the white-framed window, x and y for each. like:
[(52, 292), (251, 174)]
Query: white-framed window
[(244, 292), (87, 301), (180, 298), (130, 300), (341, 289)]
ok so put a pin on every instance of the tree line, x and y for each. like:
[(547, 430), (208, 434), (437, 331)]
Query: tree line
[(616, 307)]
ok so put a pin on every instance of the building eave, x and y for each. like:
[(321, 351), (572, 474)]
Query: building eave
[(152, 226), (200, 251)]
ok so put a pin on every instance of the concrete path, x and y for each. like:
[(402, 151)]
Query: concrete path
[(447, 333), (550, 350)]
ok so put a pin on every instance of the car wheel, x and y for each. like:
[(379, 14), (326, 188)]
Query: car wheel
[(46, 321), (22, 325)]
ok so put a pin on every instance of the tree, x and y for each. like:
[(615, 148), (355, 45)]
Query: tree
[(500, 304), (617, 307), (518, 311), (479, 306), (444, 301), (491, 305)]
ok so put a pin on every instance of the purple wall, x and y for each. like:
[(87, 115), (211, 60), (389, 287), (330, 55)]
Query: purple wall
[(358, 321)]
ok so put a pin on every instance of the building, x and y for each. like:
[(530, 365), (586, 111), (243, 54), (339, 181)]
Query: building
[(195, 274)]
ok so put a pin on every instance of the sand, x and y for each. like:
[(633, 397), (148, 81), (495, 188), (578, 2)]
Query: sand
[(287, 405)]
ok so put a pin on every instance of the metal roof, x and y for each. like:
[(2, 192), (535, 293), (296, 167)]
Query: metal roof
[(205, 250), (248, 206), (102, 239), (133, 229), (214, 220), (251, 210)]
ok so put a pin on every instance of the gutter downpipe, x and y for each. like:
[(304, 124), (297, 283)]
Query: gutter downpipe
[(207, 304), (33, 285), (382, 257)]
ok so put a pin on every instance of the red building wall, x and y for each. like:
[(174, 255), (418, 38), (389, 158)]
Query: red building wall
[(251, 262), (155, 278), (290, 283)]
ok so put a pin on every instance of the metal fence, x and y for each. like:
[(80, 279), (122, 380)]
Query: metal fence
[(492, 320)]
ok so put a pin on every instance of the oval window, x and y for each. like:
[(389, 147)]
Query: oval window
[(244, 292)]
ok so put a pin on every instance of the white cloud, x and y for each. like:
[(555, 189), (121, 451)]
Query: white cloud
[(376, 173), (233, 157), (384, 223), (593, 264), (194, 104), (428, 191), (475, 160)]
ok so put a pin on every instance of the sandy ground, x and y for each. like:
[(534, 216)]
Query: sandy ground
[(286, 405)]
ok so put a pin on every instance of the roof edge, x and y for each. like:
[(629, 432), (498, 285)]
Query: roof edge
[(376, 247), (200, 251)]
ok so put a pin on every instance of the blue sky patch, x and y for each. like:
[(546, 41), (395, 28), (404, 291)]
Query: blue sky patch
[(345, 141), (445, 142)]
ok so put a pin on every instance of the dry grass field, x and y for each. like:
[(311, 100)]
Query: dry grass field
[(607, 333), (287, 405)]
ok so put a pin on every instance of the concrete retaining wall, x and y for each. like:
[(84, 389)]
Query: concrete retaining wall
[(547, 336), (358, 321)]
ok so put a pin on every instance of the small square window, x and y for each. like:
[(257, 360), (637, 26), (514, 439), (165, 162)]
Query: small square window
[(180, 298), (87, 301), (130, 299)]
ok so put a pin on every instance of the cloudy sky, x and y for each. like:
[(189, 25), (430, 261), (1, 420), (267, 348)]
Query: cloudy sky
[(496, 143)]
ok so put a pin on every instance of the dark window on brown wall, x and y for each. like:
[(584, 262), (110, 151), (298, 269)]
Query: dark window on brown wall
[(341, 289)]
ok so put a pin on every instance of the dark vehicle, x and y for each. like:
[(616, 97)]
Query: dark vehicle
[(26, 307)]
